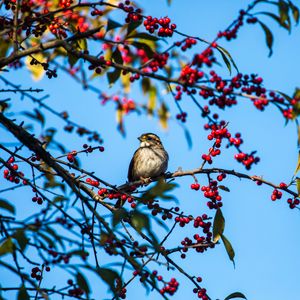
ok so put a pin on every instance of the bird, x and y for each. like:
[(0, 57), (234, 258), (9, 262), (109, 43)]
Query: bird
[(149, 160)]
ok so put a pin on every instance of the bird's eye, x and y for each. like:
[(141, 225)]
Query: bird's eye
[(149, 138)]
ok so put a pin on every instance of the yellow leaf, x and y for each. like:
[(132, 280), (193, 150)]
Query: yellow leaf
[(298, 164), (126, 83), (151, 100), (119, 117), (163, 115), (37, 71)]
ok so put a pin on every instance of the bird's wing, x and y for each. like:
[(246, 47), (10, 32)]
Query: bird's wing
[(130, 168)]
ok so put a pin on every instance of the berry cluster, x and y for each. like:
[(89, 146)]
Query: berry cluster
[(246, 159), (195, 186), (121, 291), (59, 257), (110, 245), (133, 15), (170, 287), (205, 58), (201, 293), (13, 176), (232, 33), (37, 199), (156, 209), (71, 156), (58, 28), (164, 26), (92, 182), (190, 76), (293, 203), (158, 61), (212, 192), (65, 3), (75, 291), (276, 194), (183, 220), (182, 117), (36, 273), (187, 44)]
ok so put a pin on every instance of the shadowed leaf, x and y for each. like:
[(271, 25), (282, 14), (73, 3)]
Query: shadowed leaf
[(20, 236), (113, 76), (22, 294), (224, 188), (269, 37), (118, 215), (235, 295), (228, 248), (298, 185), (227, 58), (82, 282), (140, 221), (6, 247), (7, 206), (112, 25), (159, 190), (218, 226)]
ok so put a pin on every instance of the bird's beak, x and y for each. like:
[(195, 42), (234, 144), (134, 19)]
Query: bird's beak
[(140, 138)]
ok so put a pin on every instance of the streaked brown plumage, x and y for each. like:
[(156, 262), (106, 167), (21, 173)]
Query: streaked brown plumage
[(149, 160)]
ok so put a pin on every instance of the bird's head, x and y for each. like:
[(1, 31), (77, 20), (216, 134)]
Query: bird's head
[(149, 139)]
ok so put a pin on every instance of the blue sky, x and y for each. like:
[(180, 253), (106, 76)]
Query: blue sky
[(263, 233)]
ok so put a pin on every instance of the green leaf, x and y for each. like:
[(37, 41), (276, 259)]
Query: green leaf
[(227, 56), (277, 19), (140, 221), (224, 188), (82, 282), (21, 238), (298, 164), (7, 246), (298, 185), (7, 206), (218, 226), (295, 12), (82, 44), (159, 190), (269, 37), (132, 26), (109, 276), (228, 248), (118, 215), (22, 294), (227, 62), (235, 295), (113, 76), (283, 10), (117, 56), (112, 25), (146, 84), (72, 59)]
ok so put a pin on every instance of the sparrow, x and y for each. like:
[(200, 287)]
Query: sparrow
[(149, 160)]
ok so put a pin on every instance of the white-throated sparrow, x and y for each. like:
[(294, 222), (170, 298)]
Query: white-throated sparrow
[(149, 160)]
